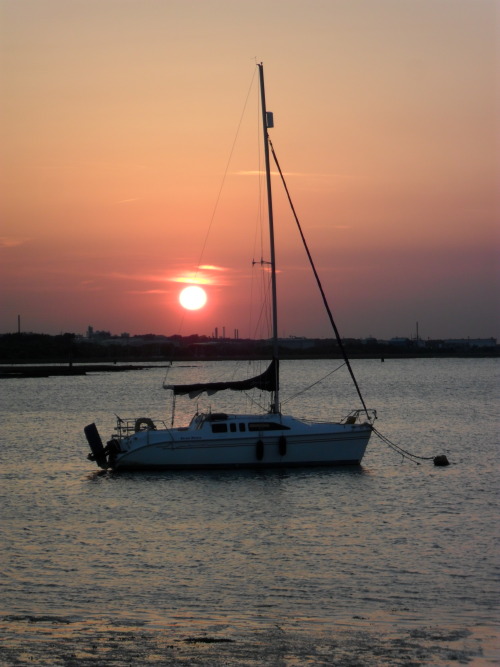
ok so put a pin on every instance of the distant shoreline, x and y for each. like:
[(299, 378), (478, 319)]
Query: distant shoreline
[(104, 349), (42, 368)]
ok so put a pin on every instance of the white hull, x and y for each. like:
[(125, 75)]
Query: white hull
[(289, 443)]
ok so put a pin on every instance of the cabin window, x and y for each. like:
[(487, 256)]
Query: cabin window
[(215, 416), (266, 426), (232, 428), (242, 427), (219, 428)]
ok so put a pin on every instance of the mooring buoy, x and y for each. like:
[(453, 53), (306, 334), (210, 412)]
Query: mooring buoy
[(441, 460)]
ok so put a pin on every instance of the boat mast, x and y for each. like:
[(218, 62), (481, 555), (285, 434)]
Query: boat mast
[(267, 123)]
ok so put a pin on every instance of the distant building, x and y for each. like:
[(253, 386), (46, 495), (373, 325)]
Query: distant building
[(462, 343), (369, 341), (296, 343), (400, 342)]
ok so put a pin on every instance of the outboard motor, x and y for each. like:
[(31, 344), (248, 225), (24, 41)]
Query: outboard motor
[(94, 439)]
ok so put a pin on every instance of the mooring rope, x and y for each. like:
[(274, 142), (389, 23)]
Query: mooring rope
[(403, 452), (440, 460)]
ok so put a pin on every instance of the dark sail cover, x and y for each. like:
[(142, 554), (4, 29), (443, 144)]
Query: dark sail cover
[(267, 381)]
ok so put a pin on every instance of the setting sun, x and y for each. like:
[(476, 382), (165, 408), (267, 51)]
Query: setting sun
[(193, 297)]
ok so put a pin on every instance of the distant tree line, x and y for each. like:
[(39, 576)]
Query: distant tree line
[(72, 348)]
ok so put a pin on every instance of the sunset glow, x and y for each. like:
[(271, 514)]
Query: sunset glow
[(193, 297), (131, 163)]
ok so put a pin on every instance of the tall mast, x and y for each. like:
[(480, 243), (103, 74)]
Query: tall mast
[(267, 123)]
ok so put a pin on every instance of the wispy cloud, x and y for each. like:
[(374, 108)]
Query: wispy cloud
[(148, 291), (90, 286), (13, 241), (202, 276), (193, 280), (147, 277), (259, 173), (290, 173), (207, 274), (211, 267)]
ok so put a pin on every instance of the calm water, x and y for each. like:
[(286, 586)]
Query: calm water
[(390, 563)]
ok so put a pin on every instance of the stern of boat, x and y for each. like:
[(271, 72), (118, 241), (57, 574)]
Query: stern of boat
[(102, 455), (106, 455)]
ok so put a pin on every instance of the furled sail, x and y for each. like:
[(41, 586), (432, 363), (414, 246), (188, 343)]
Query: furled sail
[(267, 381)]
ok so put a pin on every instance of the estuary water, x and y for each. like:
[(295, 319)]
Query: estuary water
[(389, 563)]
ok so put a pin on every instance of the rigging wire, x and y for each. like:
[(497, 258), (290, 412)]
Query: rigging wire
[(262, 326), (303, 391), (225, 172), (404, 453), (440, 460), (219, 194), (318, 281)]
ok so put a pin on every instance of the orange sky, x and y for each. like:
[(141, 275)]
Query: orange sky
[(118, 118)]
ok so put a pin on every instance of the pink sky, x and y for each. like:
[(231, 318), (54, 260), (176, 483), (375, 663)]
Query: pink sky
[(118, 118)]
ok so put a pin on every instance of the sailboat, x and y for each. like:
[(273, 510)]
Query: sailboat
[(222, 440)]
